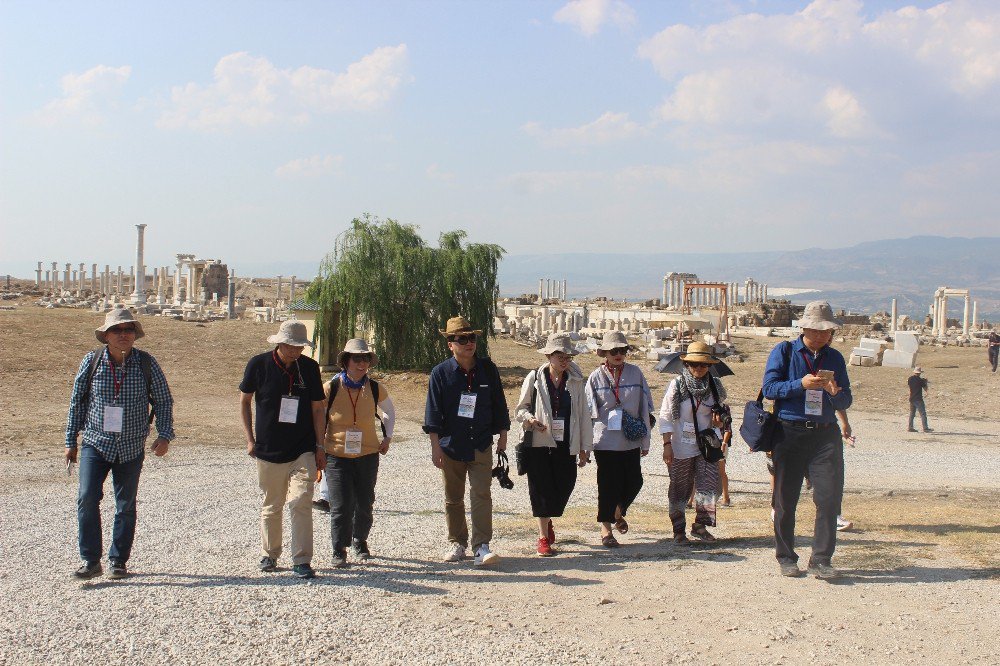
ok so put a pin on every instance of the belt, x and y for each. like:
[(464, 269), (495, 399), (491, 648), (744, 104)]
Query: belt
[(808, 425)]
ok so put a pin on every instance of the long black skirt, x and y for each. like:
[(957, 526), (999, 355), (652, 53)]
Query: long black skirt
[(551, 479)]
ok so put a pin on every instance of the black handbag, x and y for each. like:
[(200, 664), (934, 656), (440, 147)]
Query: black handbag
[(760, 429), (709, 443)]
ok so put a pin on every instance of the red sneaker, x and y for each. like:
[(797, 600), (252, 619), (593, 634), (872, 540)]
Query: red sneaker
[(552, 533), (544, 549)]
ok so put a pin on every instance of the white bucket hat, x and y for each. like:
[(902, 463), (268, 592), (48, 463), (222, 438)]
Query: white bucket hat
[(355, 346), (818, 316), (115, 317), (612, 340), (558, 342), (291, 332)]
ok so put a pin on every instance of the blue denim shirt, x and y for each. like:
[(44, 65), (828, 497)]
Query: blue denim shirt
[(783, 381), (462, 437)]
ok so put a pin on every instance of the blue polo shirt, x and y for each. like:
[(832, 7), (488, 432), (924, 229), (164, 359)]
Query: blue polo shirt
[(783, 381), (461, 437)]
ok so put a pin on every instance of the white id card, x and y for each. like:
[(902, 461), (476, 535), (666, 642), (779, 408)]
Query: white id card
[(615, 419), (814, 402), (688, 434), (112, 418), (352, 442), (289, 412), (558, 429), (467, 405)]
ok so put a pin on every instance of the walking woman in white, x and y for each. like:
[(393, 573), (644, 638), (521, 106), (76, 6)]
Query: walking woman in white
[(687, 409), (553, 411)]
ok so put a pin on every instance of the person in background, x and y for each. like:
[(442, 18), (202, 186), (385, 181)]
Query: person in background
[(918, 387)]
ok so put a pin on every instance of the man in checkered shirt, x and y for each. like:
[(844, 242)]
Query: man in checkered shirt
[(110, 406)]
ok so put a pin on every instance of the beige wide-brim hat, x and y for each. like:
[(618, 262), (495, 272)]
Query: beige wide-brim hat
[(291, 332), (918, 370), (818, 316), (355, 346), (115, 317), (612, 340), (558, 342), (458, 326), (699, 352)]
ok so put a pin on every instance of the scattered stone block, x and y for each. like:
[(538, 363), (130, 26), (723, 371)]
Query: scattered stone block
[(867, 361), (907, 341), (895, 358)]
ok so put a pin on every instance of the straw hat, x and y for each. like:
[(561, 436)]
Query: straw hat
[(558, 342), (918, 370), (818, 316), (699, 352), (115, 317), (458, 326), (355, 346), (612, 340), (291, 332)]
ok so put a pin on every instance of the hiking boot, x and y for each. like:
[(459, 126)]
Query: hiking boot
[(823, 571), (911, 430), (321, 505), (928, 429), (117, 570), (361, 552), (268, 563), (544, 549), (340, 559), (485, 557), (303, 570), (455, 553), (790, 569), (89, 570)]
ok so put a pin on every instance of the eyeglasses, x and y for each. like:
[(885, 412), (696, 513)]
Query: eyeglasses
[(618, 351), (697, 365), (361, 358), (121, 330), (462, 339)]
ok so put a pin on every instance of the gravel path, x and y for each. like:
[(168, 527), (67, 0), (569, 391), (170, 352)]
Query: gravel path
[(196, 596)]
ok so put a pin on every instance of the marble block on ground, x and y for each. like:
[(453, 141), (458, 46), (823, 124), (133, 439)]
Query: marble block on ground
[(907, 341), (872, 343), (864, 351), (895, 358)]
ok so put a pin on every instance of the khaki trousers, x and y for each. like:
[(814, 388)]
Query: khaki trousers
[(480, 472), (288, 483)]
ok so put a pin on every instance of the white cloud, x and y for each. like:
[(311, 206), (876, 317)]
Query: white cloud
[(86, 97), (846, 117), (539, 182), (609, 128), (434, 172), (310, 167), (589, 16), (252, 92)]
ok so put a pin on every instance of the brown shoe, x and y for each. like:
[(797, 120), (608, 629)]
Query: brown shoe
[(681, 538), (610, 541), (698, 530)]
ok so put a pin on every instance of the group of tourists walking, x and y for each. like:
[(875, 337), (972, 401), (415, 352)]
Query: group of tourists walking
[(299, 429)]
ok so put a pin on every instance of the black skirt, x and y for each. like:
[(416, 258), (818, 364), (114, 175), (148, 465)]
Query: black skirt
[(551, 479)]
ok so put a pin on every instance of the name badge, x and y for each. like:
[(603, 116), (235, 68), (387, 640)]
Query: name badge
[(558, 429), (289, 412), (688, 434), (814, 402), (615, 419), (467, 405), (352, 442), (112, 418)]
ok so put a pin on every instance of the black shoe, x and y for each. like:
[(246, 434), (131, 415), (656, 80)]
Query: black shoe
[(117, 570), (911, 430), (823, 571), (361, 552), (790, 569), (928, 429), (268, 563), (89, 570), (303, 571), (321, 505), (340, 558)]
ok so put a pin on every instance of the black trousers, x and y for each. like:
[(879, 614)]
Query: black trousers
[(351, 484), (820, 454), (619, 480), (551, 479)]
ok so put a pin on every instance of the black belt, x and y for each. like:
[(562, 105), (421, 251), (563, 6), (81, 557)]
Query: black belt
[(808, 425)]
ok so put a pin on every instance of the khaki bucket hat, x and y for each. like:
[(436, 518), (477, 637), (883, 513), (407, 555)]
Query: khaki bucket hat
[(699, 352), (612, 340), (558, 342), (458, 326), (818, 316), (115, 317), (355, 346), (291, 332)]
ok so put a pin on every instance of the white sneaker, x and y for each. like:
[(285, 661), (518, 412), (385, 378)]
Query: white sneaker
[(456, 553), (843, 524), (485, 557)]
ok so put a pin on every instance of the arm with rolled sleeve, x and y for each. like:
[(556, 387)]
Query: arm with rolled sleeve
[(162, 401), (77, 417), (778, 384), (433, 414), (844, 398)]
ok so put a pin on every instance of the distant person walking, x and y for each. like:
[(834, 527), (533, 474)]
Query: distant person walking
[(466, 408), (807, 379), (286, 440), (918, 387), (553, 409), (112, 394), (994, 348), (620, 404)]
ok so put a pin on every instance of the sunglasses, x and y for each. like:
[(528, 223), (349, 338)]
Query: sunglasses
[(618, 351), (697, 365), (463, 339), (121, 329), (361, 358)]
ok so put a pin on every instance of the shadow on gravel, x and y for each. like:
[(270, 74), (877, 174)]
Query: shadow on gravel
[(909, 575), (513, 569), (936, 433), (948, 528)]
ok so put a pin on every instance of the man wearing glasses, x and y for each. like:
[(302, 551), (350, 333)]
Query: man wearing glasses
[(112, 394), (466, 408)]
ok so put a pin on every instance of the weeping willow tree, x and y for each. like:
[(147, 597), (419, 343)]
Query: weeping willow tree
[(393, 289)]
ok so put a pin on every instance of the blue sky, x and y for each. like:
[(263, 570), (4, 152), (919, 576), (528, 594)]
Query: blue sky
[(255, 131)]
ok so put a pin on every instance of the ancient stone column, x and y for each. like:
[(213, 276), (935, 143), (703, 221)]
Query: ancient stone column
[(231, 297), (291, 289), (161, 275), (38, 276), (541, 289), (93, 278), (892, 322), (975, 320), (67, 282), (277, 290), (83, 278), (48, 278), (965, 317), (564, 289), (54, 281), (139, 283)]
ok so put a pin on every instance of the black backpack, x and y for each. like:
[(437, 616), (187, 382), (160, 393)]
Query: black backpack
[(147, 371), (335, 386)]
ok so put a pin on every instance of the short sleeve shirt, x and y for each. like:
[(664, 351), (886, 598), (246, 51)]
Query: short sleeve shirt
[(269, 382)]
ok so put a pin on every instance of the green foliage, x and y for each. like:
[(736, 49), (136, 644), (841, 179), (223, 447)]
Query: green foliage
[(396, 291)]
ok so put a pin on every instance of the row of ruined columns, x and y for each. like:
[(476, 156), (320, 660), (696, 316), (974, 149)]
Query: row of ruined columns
[(673, 292), (551, 289), (939, 311)]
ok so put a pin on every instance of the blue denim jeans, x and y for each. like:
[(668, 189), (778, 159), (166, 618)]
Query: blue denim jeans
[(125, 480)]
